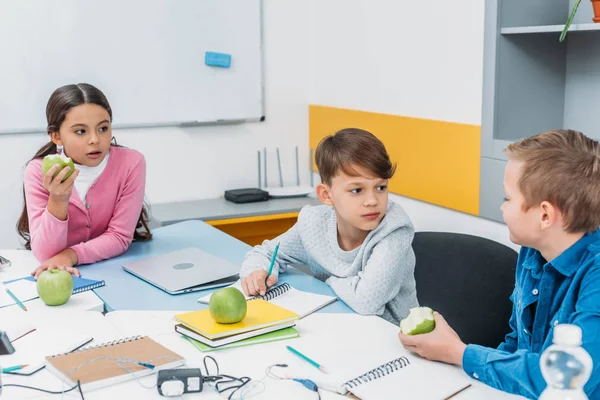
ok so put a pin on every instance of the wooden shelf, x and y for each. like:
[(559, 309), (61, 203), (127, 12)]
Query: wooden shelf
[(521, 30)]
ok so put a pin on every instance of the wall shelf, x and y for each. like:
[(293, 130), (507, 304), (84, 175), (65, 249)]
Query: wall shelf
[(520, 30)]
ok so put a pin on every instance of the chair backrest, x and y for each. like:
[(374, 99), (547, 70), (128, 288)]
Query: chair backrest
[(468, 279)]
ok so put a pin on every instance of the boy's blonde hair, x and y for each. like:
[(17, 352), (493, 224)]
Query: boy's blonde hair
[(350, 148), (563, 168)]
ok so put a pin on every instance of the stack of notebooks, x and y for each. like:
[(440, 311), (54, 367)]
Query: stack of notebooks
[(269, 318)]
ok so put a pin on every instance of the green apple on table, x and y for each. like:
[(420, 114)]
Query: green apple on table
[(55, 286)]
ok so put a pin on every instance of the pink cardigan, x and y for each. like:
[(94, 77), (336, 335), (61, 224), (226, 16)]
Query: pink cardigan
[(101, 230)]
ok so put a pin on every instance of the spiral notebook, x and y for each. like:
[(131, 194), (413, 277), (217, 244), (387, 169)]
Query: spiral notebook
[(377, 368), (79, 284), (284, 295), (108, 363)]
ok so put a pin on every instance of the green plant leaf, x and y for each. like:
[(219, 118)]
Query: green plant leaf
[(569, 21)]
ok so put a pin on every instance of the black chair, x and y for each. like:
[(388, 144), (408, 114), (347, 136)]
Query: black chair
[(467, 279)]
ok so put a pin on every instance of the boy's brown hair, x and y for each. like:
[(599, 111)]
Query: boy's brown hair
[(350, 148), (563, 168)]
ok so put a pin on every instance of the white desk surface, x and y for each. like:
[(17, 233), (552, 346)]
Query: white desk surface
[(22, 263), (252, 360), (247, 361), (54, 332)]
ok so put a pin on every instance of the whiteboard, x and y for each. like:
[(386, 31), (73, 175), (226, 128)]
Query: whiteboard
[(147, 56)]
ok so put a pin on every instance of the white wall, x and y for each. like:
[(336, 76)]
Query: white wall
[(202, 162), (419, 59)]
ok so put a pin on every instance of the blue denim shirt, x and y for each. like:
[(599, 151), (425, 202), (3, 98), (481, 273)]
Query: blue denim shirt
[(565, 290)]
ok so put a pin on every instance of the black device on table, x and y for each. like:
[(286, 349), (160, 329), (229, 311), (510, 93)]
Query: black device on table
[(248, 195)]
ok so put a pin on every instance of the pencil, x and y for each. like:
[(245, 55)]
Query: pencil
[(273, 259), (16, 299), (457, 392), (13, 368), (311, 362)]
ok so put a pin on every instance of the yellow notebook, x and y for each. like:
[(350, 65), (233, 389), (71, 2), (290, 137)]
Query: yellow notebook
[(260, 314)]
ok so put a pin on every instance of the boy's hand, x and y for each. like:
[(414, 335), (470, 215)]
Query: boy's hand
[(254, 284), (441, 344), (63, 260)]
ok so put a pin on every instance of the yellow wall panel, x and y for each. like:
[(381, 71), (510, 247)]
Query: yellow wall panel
[(438, 162)]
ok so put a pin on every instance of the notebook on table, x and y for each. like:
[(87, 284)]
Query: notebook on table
[(281, 334), (284, 295), (101, 372), (79, 284), (379, 369), (187, 332), (260, 314), (25, 289)]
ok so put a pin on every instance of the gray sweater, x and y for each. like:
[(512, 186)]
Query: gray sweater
[(377, 278)]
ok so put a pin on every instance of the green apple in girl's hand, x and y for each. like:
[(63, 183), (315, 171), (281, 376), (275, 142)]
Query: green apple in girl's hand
[(55, 286), (52, 159), (419, 320)]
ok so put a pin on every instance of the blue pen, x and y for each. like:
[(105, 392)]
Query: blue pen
[(311, 362)]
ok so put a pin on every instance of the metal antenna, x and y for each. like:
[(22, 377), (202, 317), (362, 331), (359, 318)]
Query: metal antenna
[(265, 161), (279, 166), (259, 171)]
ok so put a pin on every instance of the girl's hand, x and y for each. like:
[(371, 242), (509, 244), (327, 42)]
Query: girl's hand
[(60, 191), (257, 282), (64, 260)]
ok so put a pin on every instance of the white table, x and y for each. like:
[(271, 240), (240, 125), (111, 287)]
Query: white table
[(55, 331), (23, 262), (252, 360), (247, 361)]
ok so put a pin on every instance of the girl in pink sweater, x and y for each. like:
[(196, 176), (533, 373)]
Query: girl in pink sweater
[(96, 212)]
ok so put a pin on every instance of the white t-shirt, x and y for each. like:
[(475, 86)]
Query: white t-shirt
[(87, 176)]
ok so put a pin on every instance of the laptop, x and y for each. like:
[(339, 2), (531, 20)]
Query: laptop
[(185, 270)]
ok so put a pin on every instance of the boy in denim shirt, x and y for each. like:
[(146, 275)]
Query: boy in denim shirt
[(552, 209)]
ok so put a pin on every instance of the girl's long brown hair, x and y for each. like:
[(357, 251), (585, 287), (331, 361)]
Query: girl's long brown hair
[(60, 103)]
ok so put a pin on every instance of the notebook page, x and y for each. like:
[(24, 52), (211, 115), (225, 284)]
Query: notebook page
[(421, 379), (346, 360), (300, 302), (23, 289)]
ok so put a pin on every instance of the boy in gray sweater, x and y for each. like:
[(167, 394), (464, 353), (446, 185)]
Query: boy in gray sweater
[(358, 242)]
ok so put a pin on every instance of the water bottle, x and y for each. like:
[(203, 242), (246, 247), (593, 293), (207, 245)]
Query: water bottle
[(565, 365)]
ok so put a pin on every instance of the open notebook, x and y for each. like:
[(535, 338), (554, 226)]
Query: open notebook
[(107, 364), (284, 295), (376, 368)]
